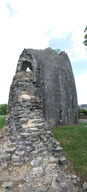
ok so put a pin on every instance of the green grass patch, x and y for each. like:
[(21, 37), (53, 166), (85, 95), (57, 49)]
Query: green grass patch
[(2, 121), (73, 140)]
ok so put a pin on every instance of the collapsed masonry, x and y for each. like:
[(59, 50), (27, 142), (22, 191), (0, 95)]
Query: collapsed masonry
[(42, 88)]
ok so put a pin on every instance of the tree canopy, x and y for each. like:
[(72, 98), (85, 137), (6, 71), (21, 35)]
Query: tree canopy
[(85, 36)]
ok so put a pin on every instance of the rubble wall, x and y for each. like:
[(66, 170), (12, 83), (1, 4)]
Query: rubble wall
[(31, 160)]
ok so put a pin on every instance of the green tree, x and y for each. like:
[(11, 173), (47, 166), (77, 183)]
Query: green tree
[(3, 107), (85, 36), (57, 51)]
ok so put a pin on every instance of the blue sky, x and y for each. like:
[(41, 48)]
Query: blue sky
[(79, 66), (61, 43), (41, 24)]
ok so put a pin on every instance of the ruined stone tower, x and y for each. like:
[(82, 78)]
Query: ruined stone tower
[(55, 84), (42, 95)]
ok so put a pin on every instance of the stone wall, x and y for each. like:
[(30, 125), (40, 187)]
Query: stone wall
[(31, 160)]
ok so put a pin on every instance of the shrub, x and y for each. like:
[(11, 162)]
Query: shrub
[(57, 51), (1, 112), (3, 107), (82, 112)]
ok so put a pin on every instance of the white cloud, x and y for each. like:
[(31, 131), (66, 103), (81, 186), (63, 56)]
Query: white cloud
[(78, 48), (25, 24), (81, 81)]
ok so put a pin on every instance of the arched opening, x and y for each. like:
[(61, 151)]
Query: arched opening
[(26, 66)]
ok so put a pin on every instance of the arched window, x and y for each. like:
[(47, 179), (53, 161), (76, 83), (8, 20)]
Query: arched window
[(26, 66)]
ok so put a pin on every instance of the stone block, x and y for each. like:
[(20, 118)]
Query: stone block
[(4, 165), (7, 185), (58, 149), (5, 157), (10, 150), (20, 153), (29, 149), (24, 135), (15, 158), (85, 186), (36, 162), (62, 160)]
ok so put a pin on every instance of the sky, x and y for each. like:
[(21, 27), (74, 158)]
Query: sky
[(39, 24)]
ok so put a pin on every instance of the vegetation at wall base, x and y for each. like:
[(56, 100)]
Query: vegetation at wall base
[(73, 140), (2, 121), (82, 113)]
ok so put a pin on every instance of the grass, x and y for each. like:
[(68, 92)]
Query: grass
[(2, 121), (73, 140)]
